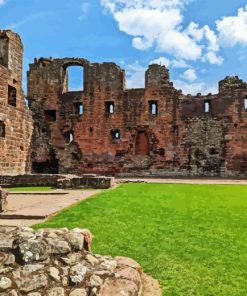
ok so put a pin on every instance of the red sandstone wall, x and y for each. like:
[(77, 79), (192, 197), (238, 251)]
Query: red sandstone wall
[(17, 120), (180, 140)]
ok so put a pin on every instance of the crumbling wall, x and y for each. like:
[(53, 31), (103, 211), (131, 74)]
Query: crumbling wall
[(58, 262), (3, 200), (57, 181), (154, 130), (15, 118)]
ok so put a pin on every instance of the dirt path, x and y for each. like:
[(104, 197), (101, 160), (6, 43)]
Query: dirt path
[(183, 181), (28, 208)]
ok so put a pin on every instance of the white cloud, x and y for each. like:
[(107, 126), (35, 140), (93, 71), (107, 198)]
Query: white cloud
[(2, 2), (159, 24), (179, 64), (196, 87), (212, 58), (114, 5), (233, 29), (194, 31), (170, 63), (136, 79), (161, 61), (212, 39), (84, 10), (135, 76), (189, 75)]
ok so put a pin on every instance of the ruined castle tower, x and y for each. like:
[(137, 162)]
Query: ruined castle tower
[(15, 118)]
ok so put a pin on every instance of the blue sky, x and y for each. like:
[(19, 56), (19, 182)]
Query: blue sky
[(201, 41)]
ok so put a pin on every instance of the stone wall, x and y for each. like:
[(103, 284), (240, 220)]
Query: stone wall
[(3, 200), (57, 181), (151, 131), (15, 118), (105, 128), (58, 262)]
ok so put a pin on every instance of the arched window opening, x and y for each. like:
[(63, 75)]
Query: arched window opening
[(153, 107), (75, 78), (207, 106)]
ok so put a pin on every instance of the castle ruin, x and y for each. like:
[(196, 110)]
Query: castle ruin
[(105, 128)]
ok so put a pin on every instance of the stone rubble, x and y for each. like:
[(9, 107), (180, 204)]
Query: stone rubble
[(57, 262)]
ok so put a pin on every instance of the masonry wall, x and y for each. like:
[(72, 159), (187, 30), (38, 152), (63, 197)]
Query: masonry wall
[(15, 118), (151, 131)]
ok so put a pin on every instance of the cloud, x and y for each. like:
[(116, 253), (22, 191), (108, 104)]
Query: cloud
[(163, 61), (196, 87), (135, 76), (2, 2), (233, 29), (212, 58), (189, 75), (85, 10), (136, 79), (179, 64), (158, 24)]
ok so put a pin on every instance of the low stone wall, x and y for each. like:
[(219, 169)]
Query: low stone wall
[(56, 262), (58, 181), (3, 200)]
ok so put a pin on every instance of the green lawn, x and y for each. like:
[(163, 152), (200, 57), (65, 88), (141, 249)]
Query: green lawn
[(193, 238), (30, 189)]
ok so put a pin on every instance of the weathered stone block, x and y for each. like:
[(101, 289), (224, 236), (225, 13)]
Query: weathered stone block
[(3, 200)]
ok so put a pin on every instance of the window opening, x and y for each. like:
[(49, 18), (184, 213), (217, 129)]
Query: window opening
[(115, 134), (207, 106), (78, 108), (2, 129), (75, 78), (12, 96), (50, 115), (109, 107), (153, 107), (245, 103)]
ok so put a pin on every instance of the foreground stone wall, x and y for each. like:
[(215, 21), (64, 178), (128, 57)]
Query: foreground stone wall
[(56, 262), (15, 118), (105, 128), (57, 181)]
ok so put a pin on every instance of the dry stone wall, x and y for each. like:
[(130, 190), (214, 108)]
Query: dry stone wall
[(57, 181), (56, 262)]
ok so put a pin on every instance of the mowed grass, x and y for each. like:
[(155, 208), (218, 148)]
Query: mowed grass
[(192, 238), (30, 189)]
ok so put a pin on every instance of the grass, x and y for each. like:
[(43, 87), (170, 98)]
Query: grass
[(192, 238), (30, 189)]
